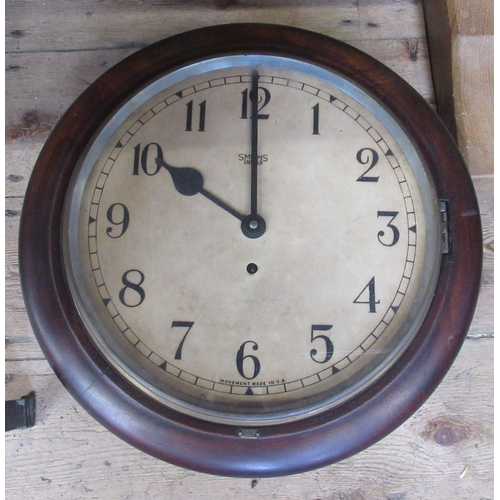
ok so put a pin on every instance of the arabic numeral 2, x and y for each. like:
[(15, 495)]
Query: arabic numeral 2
[(367, 156)]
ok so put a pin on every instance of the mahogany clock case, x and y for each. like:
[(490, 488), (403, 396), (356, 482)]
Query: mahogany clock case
[(207, 446)]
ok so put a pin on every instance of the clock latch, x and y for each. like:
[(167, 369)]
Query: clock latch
[(249, 433)]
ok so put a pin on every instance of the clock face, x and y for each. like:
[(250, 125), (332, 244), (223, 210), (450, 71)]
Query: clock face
[(252, 239), (250, 250)]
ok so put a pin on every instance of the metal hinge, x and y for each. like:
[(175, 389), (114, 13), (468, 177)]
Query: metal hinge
[(445, 231)]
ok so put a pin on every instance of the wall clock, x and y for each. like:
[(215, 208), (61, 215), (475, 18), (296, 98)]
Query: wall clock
[(250, 250)]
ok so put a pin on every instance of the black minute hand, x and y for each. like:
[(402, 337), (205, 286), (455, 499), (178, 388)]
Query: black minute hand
[(253, 225), (254, 142), (189, 181)]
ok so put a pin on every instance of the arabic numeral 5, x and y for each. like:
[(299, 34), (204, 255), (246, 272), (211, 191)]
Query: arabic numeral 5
[(327, 347)]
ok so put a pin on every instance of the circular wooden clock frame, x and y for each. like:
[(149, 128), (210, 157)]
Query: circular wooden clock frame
[(223, 449)]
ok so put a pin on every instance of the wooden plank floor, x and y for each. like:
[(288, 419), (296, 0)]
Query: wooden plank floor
[(55, 49)]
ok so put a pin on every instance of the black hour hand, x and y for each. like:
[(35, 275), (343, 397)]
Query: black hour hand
[(189, 181)]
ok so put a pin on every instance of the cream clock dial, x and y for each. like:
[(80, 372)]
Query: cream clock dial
[(252, 240), (250, 250)]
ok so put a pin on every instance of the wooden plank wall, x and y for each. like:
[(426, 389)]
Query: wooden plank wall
[(55, 49)]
